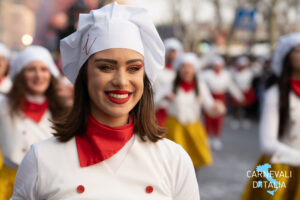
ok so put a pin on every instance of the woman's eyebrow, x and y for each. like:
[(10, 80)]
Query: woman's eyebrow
[(134, 60), (106, 60)]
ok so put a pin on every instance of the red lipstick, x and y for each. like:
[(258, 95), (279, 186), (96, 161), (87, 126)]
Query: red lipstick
[(118, 100)]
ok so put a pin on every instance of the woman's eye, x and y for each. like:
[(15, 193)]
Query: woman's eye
[(105, 68), (134, 68), (45, 69)]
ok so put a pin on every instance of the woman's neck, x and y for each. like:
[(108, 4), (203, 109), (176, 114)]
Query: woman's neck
[(35, 98), (109, 120)]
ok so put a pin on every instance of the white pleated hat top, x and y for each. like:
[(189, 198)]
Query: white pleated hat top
[(285, 44), (113, 26)]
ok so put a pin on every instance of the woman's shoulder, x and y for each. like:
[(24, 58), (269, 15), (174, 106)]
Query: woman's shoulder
[(272, 94), (168, 150), (51, 146)]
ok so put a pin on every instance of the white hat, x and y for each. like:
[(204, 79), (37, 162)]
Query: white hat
[(30, 54), (217, 60), (172, 44), (113, 26), (242, 61), (187, 58), (4, 51), (284, 46)]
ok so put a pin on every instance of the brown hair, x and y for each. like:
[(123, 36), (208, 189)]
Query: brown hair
[(177, 80), (75, 122), (18, 92), (284, 94)]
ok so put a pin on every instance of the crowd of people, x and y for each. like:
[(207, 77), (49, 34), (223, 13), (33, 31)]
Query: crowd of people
[(104, 125)]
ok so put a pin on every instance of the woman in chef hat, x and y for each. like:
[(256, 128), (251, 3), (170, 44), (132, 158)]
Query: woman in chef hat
[(26, 110), (173, 49), (109, 146), (219, 82), (187, 97), (5, 82), (279, 128)]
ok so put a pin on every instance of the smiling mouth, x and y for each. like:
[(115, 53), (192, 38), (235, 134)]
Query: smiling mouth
[(118, 96)]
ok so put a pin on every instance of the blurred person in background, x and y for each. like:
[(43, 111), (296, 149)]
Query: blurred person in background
[(5, 82), (109, 146), (219, 82), (173, 49), (243, 76), (186, 98), (27, 109), (279, 128)]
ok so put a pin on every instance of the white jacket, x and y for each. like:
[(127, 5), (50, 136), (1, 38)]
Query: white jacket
[(18, 133), (51, 171), (221, 83), (287, 149), (186, 107)]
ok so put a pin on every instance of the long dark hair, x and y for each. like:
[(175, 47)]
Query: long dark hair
[(284, 94), (177, 81), (75, 122), (18, 92)]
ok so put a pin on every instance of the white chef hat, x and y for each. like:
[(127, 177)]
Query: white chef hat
[(172, 44), (242, 61), (4, 51), (113, 26), (217, 60), (284, 46), (30, 54), (187, 58)]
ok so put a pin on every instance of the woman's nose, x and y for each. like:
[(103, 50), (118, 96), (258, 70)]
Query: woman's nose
[(120, 79)]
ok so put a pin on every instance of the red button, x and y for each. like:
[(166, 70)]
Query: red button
[(24, 132), (80, 189), (24, 150), (149, 189)]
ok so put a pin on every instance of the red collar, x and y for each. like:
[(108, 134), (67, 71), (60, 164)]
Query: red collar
[(295, 85), (1, 79), (101, 142), (169, 67), (187, 86), (33, 110)]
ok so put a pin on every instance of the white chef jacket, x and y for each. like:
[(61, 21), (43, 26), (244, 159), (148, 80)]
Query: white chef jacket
[(162, 85), (51, 171), (5, 85), (19, 132), (186, 106), (287, 149), (221, 83), (243, 79)]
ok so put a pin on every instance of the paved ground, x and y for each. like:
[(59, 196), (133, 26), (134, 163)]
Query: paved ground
[(226, 178)]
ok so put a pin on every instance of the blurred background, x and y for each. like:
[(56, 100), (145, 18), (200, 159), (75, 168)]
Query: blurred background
[(206, 27)]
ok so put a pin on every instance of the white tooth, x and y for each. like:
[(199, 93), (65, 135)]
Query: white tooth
[(118, 96)]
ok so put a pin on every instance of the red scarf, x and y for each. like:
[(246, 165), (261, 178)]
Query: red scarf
[(169, 67), (187, 86), (295, 85), (217, 70), (33, 110), (101, 142)]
